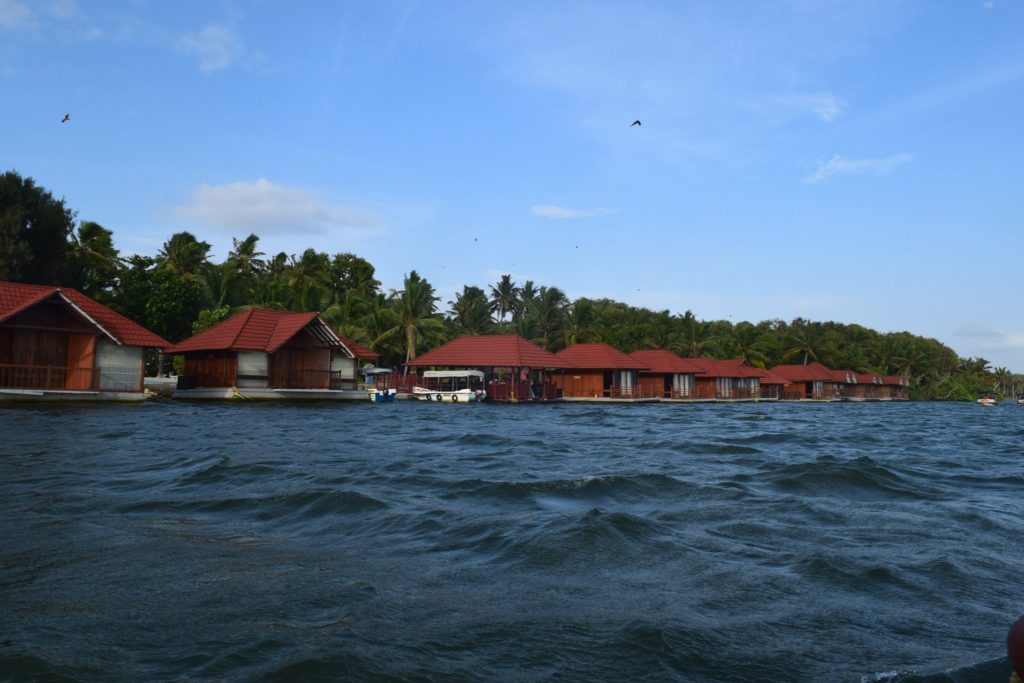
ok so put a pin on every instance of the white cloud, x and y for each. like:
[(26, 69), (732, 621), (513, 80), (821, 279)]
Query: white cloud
[(990, 338), (838, 164), (216, 46), (265, 208), (551, 211), (16, 15), (825, 106)]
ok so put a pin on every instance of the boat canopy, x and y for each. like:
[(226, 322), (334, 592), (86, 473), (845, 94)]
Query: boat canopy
[(454, 373)]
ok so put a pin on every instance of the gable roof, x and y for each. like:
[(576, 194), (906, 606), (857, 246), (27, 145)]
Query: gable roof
[(869, 378), (728, 367), (896, 380), (844, 376), (358, 350), (490, 351), (598, 357), (16, 297), (812, 372), (664, 361), (259, 329), (766, 377)]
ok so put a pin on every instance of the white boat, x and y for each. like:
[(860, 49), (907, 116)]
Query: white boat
[(987, 401), (451, 386)]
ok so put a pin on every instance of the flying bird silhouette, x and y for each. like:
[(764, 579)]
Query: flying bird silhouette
[(636, 123), (67, 117)]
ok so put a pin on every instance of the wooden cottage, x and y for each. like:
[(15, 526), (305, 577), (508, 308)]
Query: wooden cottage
[(769, 385), (731, 379), (811, 382), (514, 368), (844, 383), (896, 388), (55, 342), (598, 371), (263, 353), (668, 376)]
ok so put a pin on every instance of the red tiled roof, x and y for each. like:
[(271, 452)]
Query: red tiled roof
[(766, 377), (896, 380), (662, 361), (812, 372), (358, 349), (870, 378), (257, 329), (490, 351), (730, 367), (598, 357), (844, 376), (16, 297)]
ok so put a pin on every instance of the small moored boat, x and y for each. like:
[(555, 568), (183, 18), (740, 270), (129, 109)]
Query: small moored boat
[(376, 383), (987, 400), (451, 386)]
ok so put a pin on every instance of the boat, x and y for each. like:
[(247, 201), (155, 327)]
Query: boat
[(986, 400), (451, 386), (376, 384)]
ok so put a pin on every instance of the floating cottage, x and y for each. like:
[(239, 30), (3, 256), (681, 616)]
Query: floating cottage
[(262, 353), (57, 343), (600, 372), (668, 376), (514, 369)]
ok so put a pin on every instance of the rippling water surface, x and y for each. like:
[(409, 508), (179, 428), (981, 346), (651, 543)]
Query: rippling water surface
[(413, 541)]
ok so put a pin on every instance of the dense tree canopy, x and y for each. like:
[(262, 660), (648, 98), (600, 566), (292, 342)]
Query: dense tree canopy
[(181, 291)]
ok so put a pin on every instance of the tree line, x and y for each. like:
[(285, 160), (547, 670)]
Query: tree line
[(182, 290)]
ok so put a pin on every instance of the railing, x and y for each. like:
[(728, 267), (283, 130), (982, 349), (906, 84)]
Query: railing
[(48, 377), (522, 391), (310, 379)]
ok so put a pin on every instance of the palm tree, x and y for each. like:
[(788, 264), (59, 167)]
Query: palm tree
[(527, 293), (471, 311), (580, 324), (695, 337), (548, 310), (806, 339), (747, 342), (184, 255), (245, 258), (504, 297), (92, 258), (415, 306)]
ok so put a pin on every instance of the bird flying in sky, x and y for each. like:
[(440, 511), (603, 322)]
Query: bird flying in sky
[(67, 117), (635, 123)]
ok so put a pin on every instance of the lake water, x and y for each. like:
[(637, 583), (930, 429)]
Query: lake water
[(414, 542)]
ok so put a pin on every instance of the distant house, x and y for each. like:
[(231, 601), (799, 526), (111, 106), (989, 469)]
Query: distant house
[(897, 388), (844, 383), (811, 382), (514, 368), (262, 353), (55, 342), (668, 376), (599, 371)]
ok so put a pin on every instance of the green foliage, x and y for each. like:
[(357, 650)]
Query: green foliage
[(181, 292), (34, 232), (208, 317)]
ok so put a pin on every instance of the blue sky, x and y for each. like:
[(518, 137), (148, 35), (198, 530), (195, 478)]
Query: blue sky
[(849, 161)]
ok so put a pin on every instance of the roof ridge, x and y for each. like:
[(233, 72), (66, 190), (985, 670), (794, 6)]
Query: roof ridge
[(248, 314)]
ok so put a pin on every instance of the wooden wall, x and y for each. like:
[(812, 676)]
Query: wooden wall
[(211, 368), (653, 384), (580, 383)]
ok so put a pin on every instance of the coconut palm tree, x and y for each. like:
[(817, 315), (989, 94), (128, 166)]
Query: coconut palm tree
[(807, 341), (579, 325), (184, 255), (92, 259), (694, 339), (504, 297), (471, 311), (746, 341), (245, 258), (416, 307)]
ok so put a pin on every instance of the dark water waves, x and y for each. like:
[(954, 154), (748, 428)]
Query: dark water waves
[(415, 542)]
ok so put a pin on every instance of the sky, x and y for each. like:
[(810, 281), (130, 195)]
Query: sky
[(858, 162)]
